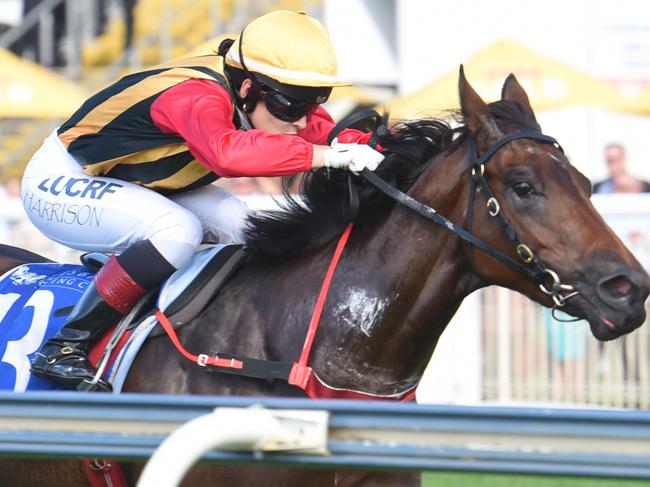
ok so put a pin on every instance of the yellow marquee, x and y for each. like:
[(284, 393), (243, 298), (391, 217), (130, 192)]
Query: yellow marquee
[(28, 90), (549, 83)]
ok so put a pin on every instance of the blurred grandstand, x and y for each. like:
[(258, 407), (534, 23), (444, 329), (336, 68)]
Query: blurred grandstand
[(101, 41)]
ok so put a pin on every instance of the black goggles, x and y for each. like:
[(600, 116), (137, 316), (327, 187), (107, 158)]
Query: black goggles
[(286, 108)]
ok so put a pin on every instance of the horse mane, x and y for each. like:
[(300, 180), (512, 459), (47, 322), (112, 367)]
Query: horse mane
[(320, 212)]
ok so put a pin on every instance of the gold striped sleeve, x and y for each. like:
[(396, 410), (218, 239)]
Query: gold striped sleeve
[(105, 112), (148, 155)]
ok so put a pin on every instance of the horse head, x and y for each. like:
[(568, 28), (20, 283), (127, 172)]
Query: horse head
[(547, 203)]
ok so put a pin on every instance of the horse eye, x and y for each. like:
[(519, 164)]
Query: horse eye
[(522, 189)]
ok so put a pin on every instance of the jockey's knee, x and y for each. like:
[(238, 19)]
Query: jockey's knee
[(177, 235)]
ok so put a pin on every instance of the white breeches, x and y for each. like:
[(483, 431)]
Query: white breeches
[(101, 214)]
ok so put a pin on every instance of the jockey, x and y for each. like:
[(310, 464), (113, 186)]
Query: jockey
[(129, 173)]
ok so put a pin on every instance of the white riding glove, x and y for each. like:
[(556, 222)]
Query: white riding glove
[(355, 157)]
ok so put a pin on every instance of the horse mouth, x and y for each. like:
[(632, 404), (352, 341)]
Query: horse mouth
[(605, 324)]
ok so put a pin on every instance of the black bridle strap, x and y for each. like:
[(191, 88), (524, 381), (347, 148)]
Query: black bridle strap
[(432, 214), (469, 221), (354, 201), (478, 178), (523, 134)]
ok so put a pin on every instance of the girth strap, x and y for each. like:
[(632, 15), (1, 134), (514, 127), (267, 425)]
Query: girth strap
[(105, 473), (298, 373)]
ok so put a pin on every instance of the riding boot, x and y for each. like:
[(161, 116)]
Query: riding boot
[(63, 359)]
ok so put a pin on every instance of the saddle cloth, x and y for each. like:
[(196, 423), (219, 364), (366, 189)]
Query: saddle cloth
[(35, 300), (30, 296)]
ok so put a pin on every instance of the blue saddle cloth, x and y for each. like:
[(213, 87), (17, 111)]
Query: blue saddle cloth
[(32, 297)]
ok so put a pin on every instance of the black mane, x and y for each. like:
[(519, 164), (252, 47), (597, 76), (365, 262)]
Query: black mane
[(321, 213)]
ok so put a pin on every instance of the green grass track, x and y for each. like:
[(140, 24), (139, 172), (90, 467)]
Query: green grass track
[(447, 479)]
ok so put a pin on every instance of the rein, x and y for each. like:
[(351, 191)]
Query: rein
[(299, 373), (529, 265)]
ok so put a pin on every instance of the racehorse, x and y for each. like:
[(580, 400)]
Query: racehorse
[(400, 278)]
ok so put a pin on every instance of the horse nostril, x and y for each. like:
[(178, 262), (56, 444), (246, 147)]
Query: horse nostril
[(617, 287)]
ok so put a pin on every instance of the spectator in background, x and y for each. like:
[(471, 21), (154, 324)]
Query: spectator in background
[(620, 180)]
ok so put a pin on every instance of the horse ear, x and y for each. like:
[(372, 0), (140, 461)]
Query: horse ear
[(512, 91), (476, 114)]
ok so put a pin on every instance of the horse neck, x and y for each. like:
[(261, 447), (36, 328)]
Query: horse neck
[(400, 289)]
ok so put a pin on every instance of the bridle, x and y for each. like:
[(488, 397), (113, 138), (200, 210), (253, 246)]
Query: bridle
[(532, 266), (528, 264)]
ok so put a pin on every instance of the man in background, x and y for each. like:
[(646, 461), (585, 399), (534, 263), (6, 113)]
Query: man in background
[(620, 180)]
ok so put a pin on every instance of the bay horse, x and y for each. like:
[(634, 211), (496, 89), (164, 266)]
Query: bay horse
[(400, 278)]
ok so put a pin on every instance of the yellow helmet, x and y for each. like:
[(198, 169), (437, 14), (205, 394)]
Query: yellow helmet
[(286, 48)]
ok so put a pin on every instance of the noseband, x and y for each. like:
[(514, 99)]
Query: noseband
[(528, 264)]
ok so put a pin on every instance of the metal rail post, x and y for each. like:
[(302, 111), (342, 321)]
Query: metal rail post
[(236, 429)]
